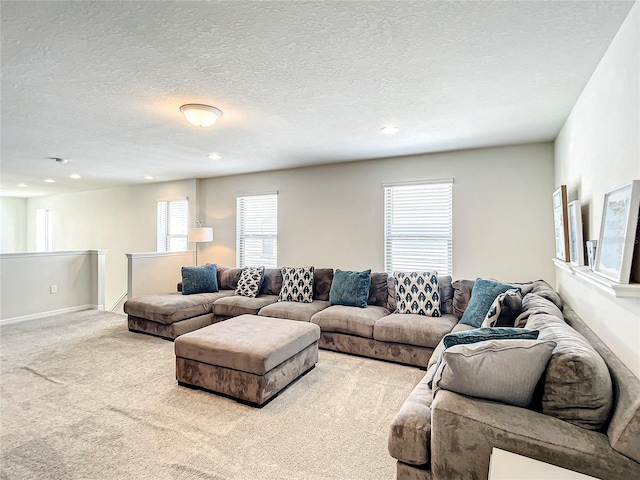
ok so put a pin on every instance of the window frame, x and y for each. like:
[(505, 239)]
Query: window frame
[(164, 236), (433, 196)]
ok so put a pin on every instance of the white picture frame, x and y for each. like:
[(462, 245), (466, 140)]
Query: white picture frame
[(617, 238), (560, 223), (576, 245)]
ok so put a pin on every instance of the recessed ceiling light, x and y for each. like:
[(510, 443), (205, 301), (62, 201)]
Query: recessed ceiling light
[(50, 180), (23, 185), (75, 176), (148, 177), (389, 130), (214, 156)]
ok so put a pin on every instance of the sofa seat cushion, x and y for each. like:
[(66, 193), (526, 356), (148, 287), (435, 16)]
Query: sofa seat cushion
[(410, 432), (294, 310), (411, 329), (169, 308), (239, 305), (350, 320), (247, 343)]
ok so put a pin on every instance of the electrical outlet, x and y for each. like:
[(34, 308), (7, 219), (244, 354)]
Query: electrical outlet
[(53, 289)]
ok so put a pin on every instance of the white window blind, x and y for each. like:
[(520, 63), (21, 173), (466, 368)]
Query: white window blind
[(257, 231), (418, 234), (172, 221), (44, 230)]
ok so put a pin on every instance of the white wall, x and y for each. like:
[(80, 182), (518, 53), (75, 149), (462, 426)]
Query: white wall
[(119, 220), (597, 150), (13, 224), (156, 272), (332, 215), (26, 279)]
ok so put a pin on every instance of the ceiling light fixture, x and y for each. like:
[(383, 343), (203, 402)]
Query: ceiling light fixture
[(23, 185), (148, 177), (200, 115), (214, 156), (49, 180), (75, 176), (389, 130)]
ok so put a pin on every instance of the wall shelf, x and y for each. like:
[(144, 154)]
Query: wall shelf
[(618, 290)]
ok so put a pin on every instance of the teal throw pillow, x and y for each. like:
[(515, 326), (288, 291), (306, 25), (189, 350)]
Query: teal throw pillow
[(203, 279), (350, 288), (482, 296), (481, 334)]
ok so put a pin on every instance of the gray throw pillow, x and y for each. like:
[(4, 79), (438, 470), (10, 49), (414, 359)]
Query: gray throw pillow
[(478, 369), (504, 309)]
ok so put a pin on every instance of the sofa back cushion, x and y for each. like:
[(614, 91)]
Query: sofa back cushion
[(577, 386), (322, 278), (624, 426), (272, 282), (482, 296), (461, 295), (378, 290), (534, 304), (228, 278)]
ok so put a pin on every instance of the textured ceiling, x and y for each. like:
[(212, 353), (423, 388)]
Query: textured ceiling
[(300, 83)]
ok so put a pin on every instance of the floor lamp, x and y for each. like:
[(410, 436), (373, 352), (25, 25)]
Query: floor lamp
[(198, 235)]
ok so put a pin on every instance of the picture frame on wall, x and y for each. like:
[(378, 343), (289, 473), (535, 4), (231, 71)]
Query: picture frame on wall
[(560, 223), (618, 232), (576, 246)]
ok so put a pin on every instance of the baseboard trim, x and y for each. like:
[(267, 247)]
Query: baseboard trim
[(34, 316)]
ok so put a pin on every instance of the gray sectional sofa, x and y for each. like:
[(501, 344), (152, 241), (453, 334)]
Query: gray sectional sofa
[(586, 411)]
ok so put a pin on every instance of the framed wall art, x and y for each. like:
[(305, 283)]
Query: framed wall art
[(560, 223), (618, 232), (576, 247)]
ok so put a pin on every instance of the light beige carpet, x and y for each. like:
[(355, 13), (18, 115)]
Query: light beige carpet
[(84, 398)]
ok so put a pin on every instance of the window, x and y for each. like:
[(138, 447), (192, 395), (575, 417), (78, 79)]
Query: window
[(257, 231), (44, 230), (173, 218), (418, 233)]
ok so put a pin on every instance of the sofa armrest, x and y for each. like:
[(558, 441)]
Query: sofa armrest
[(410, 432), (465, 429)]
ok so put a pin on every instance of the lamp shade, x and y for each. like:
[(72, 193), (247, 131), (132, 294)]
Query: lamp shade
[(201, 234), (200, 115)]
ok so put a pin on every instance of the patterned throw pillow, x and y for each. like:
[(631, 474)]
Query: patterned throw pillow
[(417, 292), (297, 285), (504, 309), (250, 282)]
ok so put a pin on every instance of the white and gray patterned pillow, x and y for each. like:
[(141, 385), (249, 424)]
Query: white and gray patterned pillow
[(417, 292), (297, 285), (250, 281)]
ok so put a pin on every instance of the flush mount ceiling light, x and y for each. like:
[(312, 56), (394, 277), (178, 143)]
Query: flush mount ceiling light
[(148, 177), (49, 180), (75, 176), (200, 115), (22, 185), (214, 156), (389, 130)]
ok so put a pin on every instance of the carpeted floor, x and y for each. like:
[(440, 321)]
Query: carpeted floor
[(84, 398)]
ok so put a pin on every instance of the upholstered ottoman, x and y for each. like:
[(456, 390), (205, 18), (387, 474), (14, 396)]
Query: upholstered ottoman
[(249, 357)]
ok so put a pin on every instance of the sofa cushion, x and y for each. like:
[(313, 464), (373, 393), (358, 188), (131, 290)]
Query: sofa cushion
[(577, 384), (411, 329), (446, 293), (410, 432), (350, 288), (250, 282), (272, 281), (535, 304), (239, 305), (322, 278), (482, 296), (378, 290), (460, 327), (228, 277), (297, 285), (478, 369), (294, 310), (202, 279), (169, 308), (504, 309), (417, 293), (350, 320), (461, 295)]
